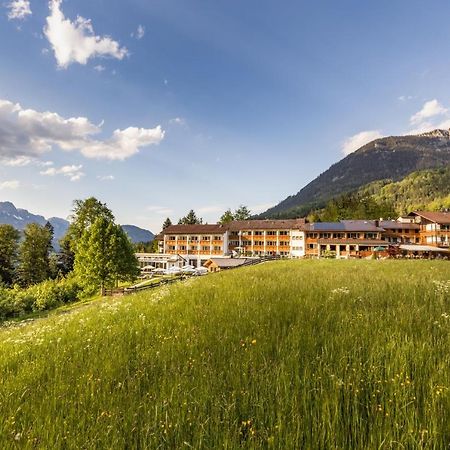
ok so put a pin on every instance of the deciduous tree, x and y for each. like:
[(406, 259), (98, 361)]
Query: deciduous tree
[(9, 245), (34, 254)]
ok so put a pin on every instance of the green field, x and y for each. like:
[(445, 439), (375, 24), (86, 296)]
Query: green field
[(295, 354)]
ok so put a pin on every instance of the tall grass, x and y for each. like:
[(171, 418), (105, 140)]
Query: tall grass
[(298, 354)]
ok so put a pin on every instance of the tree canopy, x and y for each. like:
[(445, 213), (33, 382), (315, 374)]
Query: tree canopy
[(104, 256), (9, 246), (34, 252), (190, 219)]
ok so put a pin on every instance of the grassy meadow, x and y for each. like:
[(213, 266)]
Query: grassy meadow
[(286, 355)]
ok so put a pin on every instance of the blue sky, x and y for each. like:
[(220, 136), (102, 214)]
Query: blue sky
[(157, 107)]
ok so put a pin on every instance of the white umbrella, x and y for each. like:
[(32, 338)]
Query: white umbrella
[(201, 270), (188, 266), (188, 270), (148, 267), (159, 271)]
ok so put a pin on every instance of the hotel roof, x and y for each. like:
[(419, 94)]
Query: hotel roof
[(434, 216), (195, 229), (274, 224), (345, 225)]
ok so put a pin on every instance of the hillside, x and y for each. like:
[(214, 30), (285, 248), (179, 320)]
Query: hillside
[(289, 354), (137, 234), (390, 158), (19, 218), (423, 190)]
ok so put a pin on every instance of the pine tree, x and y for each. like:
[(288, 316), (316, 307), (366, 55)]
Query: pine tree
[(190, 219), (166, 223), (242, 213), (34, 266), (9, 245)]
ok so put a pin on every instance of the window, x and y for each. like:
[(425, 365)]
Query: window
[(284, 233), (271, 233), (217, 248), (206, 238), (205, 248), (217, 238), (258, 233)]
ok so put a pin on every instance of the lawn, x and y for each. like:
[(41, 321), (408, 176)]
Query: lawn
[(287, 354)]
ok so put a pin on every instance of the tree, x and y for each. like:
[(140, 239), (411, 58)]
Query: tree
[(226, 217), (125, 264), (104, 256), (9, 244), (242, 213), (190, 219), (84, 214), (34, 264), (166, 223)]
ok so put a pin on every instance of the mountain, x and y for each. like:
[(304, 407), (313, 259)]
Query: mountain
[(390, 158), (19, 218), (137, 234)]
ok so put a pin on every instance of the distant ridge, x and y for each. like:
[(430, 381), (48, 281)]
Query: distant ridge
[(19, 218), (387, 158)]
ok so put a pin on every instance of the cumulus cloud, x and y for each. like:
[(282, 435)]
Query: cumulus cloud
[(139, 33), (73, 172), (76, 41), (11, 184), (18, 9), (356, 141), (430, 109), (432, 116), (26, 134)]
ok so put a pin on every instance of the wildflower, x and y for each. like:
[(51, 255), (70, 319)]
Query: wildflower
[(254, 342)]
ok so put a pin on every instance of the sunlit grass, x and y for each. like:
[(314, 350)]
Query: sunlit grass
[(298, 354)]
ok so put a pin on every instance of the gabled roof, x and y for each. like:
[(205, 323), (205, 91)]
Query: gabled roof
[(434, 216), (225, 263)]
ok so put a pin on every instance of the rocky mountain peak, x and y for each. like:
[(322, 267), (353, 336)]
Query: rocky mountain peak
[(442, 134)]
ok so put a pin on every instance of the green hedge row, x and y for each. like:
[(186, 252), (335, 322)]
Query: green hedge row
[(47, 295)]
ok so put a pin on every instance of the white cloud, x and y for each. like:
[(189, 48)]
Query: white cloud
[(99, 68), (26, 134), (11, 184), (404, 98), (161, 210), (356, 141), (123, 143), (430, 109), (74, 173), (178, 121), (139, 33), (76, 41), (105, 177), (18, 9)]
